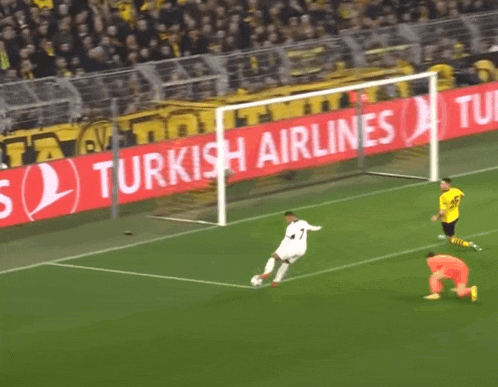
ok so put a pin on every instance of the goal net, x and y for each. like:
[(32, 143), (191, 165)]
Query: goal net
[(385, 128)]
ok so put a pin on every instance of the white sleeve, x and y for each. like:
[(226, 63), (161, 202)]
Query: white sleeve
[(313, 228)]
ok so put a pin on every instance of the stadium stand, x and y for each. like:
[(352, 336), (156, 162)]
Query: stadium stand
[(64, 60), (66, 37)]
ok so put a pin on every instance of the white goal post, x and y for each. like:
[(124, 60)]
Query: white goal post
[(431, 77)]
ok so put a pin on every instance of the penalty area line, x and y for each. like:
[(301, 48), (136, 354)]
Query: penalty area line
[(146, 275)]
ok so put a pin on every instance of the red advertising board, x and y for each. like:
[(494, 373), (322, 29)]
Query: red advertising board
[(83, 183)]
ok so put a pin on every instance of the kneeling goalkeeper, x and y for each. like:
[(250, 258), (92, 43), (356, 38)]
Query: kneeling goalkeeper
[(448, 267)]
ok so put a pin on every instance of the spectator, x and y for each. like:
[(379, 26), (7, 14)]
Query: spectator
[(459, 51), (131, 44), (143, 34), (465, 6), (26, 70), (75, 66), (144, 55), (25, 35), (373, 13), (62, 68), (169, 15), (422, 14), (95, 60), (165, 52), (45, 60), (330, 18), (467, 77), (441, 7), (174, 43), (11, 44), (132, 58)]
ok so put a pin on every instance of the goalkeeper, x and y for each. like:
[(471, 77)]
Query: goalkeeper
[(448, 267)]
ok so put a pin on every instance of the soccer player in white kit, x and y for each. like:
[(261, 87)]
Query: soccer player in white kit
[(292, 247)]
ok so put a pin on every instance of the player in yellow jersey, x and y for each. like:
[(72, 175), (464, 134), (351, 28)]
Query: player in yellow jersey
[(449, 212)]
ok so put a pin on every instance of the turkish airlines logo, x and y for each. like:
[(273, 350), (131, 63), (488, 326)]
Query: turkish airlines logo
[(416, 120), (50, 190)]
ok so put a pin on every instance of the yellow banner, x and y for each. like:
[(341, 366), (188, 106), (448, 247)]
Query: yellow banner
[(174, 119)]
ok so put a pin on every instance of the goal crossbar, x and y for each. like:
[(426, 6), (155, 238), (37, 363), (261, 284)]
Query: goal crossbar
[(318, 93), (220, 129)]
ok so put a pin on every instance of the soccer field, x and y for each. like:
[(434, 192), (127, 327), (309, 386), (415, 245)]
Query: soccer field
[(172, 306)]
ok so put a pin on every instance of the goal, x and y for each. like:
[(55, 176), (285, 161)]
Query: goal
[(380, 129), (361, 111)]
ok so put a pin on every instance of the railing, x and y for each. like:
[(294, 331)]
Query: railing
[(49, 101), (38, 103), (486, 30)]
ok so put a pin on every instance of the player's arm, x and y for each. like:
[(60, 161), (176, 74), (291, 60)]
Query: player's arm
[(312, 228), (438, 274), (438, 216), (435, 267), (442, 210)]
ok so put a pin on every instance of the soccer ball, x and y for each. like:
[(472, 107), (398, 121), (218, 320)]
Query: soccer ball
[(256, 281)]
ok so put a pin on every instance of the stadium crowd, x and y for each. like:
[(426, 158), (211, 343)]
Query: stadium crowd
[(42, 38)]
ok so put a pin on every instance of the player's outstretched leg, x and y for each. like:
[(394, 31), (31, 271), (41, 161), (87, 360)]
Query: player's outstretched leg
[(281, 273), (461, 243), (270, 265), (458, 242)]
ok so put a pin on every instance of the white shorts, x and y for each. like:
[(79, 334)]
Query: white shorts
[(289, 255)]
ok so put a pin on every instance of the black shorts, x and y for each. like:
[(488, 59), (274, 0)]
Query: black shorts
[(449, 228)]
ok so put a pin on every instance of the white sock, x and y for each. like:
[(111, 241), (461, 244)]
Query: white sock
[(281, 272), (269, 265)]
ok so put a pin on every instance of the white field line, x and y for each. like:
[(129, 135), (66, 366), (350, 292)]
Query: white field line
[(316, 273), (165, 237), (181, 220), (148, 275)]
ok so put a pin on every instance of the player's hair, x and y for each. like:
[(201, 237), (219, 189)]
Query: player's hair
[(289, 213), (430, 254), (446, 180)]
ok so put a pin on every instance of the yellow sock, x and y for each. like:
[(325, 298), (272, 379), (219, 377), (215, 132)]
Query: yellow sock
[(459, 242)]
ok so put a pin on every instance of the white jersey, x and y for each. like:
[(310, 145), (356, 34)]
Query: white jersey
[(296, 236)]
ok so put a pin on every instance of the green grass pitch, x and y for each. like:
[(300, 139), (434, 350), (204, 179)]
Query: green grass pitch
[(352, 313)]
